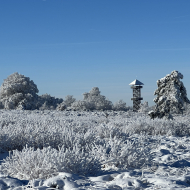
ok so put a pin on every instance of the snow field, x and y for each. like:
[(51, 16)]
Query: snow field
[(89, 150)]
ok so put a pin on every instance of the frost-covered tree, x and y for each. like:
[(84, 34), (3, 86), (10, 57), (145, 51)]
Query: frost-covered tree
[(144, 108), (120, 106), (171, 95), (91, 101), (47, 102), (187, 108), (18, 92), (96, 100)]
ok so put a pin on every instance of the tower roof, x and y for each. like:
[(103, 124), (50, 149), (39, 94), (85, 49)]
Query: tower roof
[(136, 82)]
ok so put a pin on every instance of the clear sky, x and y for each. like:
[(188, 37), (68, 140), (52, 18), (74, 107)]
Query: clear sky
[(69, 46)]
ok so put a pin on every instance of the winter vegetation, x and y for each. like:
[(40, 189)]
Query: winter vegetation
[(52, 143), (44, 143), (171, 96), (19, 92)]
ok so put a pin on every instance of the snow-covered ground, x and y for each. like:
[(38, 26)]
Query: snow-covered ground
[(93, 150)]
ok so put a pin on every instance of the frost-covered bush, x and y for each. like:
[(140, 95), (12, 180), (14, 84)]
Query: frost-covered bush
[(43, 163), (66, 103), (79, 161), (144, 108), (97, 101), (131, 153), (80, 142), (30, 164), (47, 102), (171, 95), (180, 126), (87, 160), (120, 106), (18, 92), (40, 129), (69, 100), (82, 105), (62, 106)]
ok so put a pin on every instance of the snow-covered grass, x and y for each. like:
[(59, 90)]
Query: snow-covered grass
[(40, 129), (44, 144)]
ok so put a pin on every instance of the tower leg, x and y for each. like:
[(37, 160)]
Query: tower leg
[(136, 105)]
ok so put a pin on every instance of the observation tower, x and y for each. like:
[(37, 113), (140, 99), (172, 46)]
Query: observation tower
[(136, 86)]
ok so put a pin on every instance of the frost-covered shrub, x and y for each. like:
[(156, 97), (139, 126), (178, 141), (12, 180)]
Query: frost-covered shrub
[(62, 106), (47, 102), (43, 163), (131, 153), (80, 142), (69, 100), (79, 161), (180, 126), (18, 92), (110, 130), (81, 105), (33, 164), (120, 106), (171, 95), (66, 103), (30, 164), (144, 108), (40, 129)]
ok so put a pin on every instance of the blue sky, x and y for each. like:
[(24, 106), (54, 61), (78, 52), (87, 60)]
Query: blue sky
[(69, 46)]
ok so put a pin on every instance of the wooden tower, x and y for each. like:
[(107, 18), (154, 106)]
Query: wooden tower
[(136, 86)]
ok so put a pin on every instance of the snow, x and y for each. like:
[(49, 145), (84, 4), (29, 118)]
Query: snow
[(168, 166)]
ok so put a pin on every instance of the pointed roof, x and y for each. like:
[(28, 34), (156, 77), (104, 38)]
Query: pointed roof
[(136, 82)]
